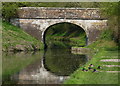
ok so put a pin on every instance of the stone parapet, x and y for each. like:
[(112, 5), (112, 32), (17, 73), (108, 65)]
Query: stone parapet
[(59, 13)]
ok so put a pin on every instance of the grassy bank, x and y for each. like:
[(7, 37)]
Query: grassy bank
[(103, 50), (14, 39), (73, 41)]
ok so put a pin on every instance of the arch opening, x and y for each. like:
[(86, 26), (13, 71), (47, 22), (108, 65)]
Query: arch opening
[(65, 32)]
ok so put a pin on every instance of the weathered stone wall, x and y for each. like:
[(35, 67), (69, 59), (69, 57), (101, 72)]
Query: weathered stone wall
[(61, 13), (36, 20), (37, 27)]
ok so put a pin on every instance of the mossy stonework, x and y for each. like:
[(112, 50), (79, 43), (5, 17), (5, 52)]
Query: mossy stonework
[(42, 18)]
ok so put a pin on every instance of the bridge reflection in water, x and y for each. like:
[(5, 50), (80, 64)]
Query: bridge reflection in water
[(41, 73)]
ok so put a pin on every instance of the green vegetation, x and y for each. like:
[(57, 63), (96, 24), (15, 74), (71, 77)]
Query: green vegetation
[(14, 39), (109, 10), (101, 49), (66, 32), (106, 47), (58, 44), (74, 41), (9, 9), (80, 77)]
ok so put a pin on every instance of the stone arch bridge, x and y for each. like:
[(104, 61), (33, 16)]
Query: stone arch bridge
[(36, 20)]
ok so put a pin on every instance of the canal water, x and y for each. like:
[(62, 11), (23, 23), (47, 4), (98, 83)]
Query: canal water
[(51, 66)]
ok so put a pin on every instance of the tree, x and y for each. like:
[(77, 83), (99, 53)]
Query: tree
[(111, 10), (9, 10)]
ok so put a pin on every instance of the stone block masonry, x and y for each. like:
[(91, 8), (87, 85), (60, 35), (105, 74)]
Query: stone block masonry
[(36, 20), (59, 13)]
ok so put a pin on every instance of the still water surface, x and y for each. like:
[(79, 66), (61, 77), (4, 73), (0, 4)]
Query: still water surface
[(52, 66)]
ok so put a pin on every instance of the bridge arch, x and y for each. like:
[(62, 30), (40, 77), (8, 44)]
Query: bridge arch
[(36, 20), (80, 26)]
